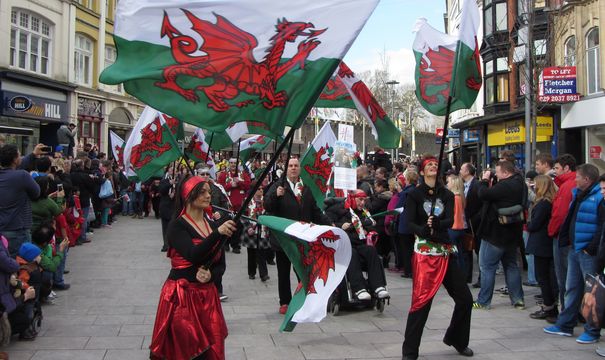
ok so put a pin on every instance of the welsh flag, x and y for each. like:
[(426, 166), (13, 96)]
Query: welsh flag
[(347, 91), (395, 211), (316, 164), (320, 256), (448, 65), (151, 145), (224, 139), (117, 147), (216, 63), (253, 144), (197, 150)]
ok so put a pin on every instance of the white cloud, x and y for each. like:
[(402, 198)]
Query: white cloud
[(401, 64)]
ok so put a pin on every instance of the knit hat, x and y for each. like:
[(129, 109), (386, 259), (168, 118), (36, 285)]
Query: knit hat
[(29, 251)]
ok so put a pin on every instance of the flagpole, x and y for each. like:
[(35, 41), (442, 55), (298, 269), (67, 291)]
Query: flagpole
[(239, 144), (288, 159), (441, 152), (209, 145)]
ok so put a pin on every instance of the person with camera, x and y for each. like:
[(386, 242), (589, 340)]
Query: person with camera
[(501, 232)]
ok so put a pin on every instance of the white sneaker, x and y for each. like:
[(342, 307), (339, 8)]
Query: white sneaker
[(363, 295), (52, 295), (381, 293)]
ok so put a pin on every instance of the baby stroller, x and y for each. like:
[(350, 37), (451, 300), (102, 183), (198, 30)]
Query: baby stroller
[(344, 298), (36, 323)]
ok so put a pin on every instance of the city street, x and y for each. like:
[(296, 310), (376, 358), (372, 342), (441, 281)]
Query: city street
[(110, 309)]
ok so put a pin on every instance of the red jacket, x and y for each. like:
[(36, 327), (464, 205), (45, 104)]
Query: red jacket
[(236, 193), (560, 204)]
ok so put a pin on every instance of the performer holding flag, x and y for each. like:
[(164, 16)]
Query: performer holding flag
[(448, 78)]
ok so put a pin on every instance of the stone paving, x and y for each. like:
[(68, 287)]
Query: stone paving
[(109, 312)]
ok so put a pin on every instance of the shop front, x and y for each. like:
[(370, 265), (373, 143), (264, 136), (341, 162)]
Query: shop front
[(510, 135), (32, 110), (587, 118), (90, 118)]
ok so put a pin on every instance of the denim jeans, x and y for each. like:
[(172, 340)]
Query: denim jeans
[(489, 257), (456, 239), (58, 275), (578, 265), (531, 272), (127, 206), (560, 258), (84, 228), (138, 200), (16, 238)]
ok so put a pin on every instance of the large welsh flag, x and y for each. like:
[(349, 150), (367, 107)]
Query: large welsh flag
[(345, 90), (316, 164), (320, 256), (215, 63), (448, 65), (151, 145)]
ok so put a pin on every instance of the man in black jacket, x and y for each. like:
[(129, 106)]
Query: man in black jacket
[(290, 199), (472, 213), (499, 242), (88, 185)]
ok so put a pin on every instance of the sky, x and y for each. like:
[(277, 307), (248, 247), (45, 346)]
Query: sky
[(389, 30)]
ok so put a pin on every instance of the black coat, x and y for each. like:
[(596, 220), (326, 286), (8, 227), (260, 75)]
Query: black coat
[(288, 207), (166, 202), (539, 243), (379, 203), (88, 186), (505, 193), (336, 211), (472, 210), (417, 203)]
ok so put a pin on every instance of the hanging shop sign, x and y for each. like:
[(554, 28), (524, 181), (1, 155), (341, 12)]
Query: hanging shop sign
[(558, 85), (22, 105), (471, 135)]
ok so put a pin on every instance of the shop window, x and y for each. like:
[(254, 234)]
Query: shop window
[(570, 51), (30, 42), (110, 58), (83, 60), (593, 72)]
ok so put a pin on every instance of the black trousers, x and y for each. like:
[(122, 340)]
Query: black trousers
[(397, 244), (365, 257), (545, 274), (165, 223), (234, 240), (407, 241), (458, 332), (257, 257), (283, 277)]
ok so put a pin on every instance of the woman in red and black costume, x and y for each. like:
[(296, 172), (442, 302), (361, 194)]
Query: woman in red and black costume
[(189, 323), (432, 266)]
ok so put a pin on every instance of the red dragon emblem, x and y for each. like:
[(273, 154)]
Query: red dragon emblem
[(262, 140), (195, 149), (152, 144), (367, 100), (320, 258), (335, 90), (120, 154), (230, 63), (321, 169), (436, 74)]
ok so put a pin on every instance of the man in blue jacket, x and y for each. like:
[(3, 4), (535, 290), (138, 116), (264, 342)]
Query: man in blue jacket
[(581, 230)]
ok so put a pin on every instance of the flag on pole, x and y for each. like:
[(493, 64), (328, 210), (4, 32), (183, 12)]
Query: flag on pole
[(448, 65), (395, 211), (216, 63), (225, 139), (316, 164), (361, 98), (320, 255), (198, 149), (251, 145), (151, 144), (117, 147)]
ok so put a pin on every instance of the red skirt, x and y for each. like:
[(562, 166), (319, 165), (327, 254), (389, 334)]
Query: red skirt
[(189, 322)]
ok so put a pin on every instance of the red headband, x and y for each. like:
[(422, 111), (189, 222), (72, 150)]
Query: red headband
[(189, 185), (426, 161)]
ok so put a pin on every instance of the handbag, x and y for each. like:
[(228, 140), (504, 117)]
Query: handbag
[(91, 213), (106, 190), (593, 303)]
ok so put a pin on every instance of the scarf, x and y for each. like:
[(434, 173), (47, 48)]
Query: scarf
[(255, 209), (298, 189), (356, 221)]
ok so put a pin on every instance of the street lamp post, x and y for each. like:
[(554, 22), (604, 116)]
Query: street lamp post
[(392, 84)]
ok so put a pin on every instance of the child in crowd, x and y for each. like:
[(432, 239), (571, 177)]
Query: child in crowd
[(256, 239), (50, 259), (30, 275)]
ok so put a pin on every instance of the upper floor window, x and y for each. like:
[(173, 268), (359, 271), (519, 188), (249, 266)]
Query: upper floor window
[(495, 16), (593, 72), (570, 51), (30, 42), (85, 3), (83, 60), (110, 58), (496, 81)]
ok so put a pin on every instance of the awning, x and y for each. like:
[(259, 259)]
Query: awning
[(589, 112), (16, 130)]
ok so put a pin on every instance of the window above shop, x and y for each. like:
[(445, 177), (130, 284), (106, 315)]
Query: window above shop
[(110, 58), (495, 16), (496, 80), (570, 51), (30, 42), (593, 71), (83, 56)]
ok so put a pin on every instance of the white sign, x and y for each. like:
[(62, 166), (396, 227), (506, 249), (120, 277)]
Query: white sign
[(345, 133), (345, 174)]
